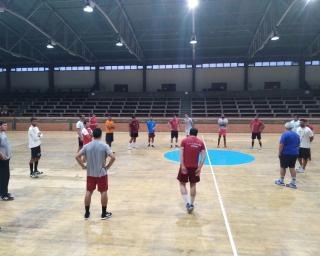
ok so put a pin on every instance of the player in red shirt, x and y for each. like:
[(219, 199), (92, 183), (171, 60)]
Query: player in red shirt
[(174, 125), (256, 126), (134, 132), (93, 122), (190, 167), (86, 133)]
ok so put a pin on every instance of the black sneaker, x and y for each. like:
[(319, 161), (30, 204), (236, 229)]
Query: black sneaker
[(7, 197), (148, 145), (33, 175), (152, 146), (105, 216), (190, 209), (37, 172), (87, 215)]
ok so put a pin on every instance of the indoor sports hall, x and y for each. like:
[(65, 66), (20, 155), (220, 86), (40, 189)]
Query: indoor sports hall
[(155, 85)]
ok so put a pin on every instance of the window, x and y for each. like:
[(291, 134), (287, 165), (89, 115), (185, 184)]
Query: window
[(315, 63), (140, 67)]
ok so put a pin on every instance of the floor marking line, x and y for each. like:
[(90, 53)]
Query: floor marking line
[(226, 221)]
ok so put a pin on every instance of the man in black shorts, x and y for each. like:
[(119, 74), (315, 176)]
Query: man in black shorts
[(174, 125), (288, 154), (134, 132), (34, 136)]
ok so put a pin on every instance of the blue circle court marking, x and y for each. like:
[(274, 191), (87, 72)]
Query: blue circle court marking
[(217, 157)]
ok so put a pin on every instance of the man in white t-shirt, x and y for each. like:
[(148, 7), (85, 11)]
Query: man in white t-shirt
[(34, 136), (222, 123), (306, 137), (188, 124), (79, 127), (295, 123)]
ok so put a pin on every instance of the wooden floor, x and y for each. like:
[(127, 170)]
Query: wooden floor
[(148, 214)]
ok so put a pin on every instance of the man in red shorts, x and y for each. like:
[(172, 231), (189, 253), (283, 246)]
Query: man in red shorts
[(256, 126), (86, 133), (96, 154), (93, 122), (190, 167)]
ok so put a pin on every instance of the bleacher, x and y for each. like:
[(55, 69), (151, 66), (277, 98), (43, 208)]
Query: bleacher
[(143, 105), (272, 107)]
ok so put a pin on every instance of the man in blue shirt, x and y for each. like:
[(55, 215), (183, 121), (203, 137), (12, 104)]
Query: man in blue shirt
[(288, 154), (151, 125)]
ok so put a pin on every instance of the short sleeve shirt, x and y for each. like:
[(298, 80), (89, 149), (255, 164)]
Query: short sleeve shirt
[(96, 153), (192, 147)]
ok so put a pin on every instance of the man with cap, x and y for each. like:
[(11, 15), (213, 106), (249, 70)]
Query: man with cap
[(288, 154)]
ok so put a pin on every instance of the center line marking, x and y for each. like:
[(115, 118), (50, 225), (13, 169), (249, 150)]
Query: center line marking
[(226, 222)]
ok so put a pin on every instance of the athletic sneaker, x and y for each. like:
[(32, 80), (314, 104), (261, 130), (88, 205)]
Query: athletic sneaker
[(34, 175), (170, 146), (190, 209), (87, 215), (176, 146), (38, 172), (300, 170), (148, 145), (107, 215), (279, 182), (152, 146), (7, 197), (291, 185), (129, 147)]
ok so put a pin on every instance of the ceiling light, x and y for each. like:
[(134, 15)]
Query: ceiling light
[(119, 42), (50, 46), (193, 40), (275, 36), (88, 7), (193, 3)]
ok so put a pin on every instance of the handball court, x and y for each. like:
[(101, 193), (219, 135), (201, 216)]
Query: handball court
[(149, 218)]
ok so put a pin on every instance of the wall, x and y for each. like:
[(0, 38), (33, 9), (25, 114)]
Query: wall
[(234, 77), (288, 76), (181, 77), (313, 76), (131, 77), (29, 80), (2, 81), (73, 79)]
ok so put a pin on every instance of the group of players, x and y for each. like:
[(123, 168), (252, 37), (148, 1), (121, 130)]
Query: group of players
[(92, 153)]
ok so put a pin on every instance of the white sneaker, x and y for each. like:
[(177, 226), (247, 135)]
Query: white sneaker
[(300, 170), (129, 147)]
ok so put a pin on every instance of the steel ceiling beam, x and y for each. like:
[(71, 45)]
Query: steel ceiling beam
[(20, 48), (77, 39), (313, 49), (269, 23), (123, 28), (79, 51)]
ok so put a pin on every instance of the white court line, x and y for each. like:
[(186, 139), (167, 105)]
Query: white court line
[(226, 222)]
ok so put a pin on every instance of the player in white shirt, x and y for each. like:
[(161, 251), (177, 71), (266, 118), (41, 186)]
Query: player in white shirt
[(306, 137), (188, 124), (296, 123), (79, 127), (34, 136), (222, 123)]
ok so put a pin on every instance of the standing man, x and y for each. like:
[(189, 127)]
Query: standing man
[(93, 122), (151, 125), (306, 137), (134, 132), (79, 127), (296, 123), (188, 124), (288, 153), (86, 133), (190, 168), (109, 130), (256, 127), (222, 123), (34, 136), (5, 155), (96, 154), (174, 125)]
